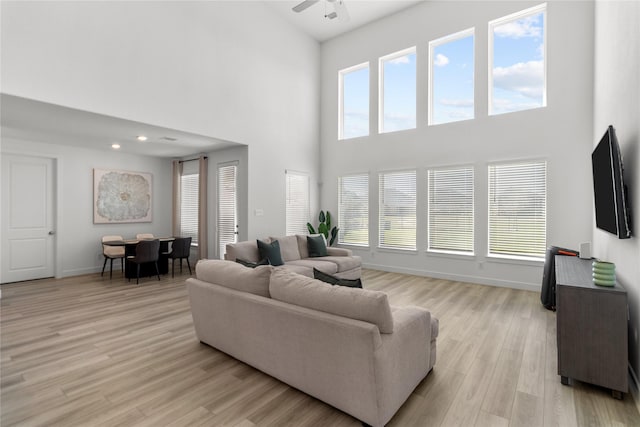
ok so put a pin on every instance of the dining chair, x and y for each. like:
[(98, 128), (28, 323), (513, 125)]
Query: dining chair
[(180, 249), (144, 236), (147, 252), (111, 253)]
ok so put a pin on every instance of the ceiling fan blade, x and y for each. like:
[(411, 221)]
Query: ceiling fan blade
[(341, 10), (305, 4)]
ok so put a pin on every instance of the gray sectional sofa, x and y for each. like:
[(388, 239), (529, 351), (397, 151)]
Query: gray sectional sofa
[(340, 262), (345, 346)]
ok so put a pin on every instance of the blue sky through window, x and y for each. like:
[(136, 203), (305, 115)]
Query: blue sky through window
[(518, 64), (355, 98), (399, 93), (452, 80)]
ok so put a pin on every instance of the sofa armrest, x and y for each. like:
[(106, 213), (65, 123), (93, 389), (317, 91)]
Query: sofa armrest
[(331, 251)]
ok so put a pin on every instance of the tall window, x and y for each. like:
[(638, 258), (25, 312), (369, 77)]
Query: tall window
[(518, 209), (227, 206), (189, 207), (397, 217), (297, 199), (398, 91), (451, 78), (354, 102), (353, 210), (517, 77), (450, 210)]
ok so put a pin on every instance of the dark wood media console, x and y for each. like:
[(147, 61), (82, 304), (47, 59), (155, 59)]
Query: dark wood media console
[(592, 328)]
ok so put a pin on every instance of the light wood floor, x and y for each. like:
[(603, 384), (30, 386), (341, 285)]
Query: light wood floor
[(93, 352)]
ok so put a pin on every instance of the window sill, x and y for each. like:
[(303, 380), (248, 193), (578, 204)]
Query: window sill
[(535, 262)]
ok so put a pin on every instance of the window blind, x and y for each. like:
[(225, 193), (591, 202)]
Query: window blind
[(297, 200), (450, 210), (518, 209), (227, 207), (189, 207), (397, 215), (353, 210)]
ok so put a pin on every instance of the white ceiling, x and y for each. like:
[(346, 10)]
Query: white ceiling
[(27, 119), (361, 12)]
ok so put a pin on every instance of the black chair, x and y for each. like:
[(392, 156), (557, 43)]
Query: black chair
[(147, 251), (180, 249)]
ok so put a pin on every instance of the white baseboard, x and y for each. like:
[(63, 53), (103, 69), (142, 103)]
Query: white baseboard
[(456, 277)]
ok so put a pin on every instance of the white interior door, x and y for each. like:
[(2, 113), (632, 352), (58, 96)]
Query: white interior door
[(227, 227), (27, 218)]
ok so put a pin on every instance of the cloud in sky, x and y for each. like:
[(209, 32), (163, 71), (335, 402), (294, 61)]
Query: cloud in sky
[(525, 27), (525, 78), (458, 103), (404, 59), (440, 60)]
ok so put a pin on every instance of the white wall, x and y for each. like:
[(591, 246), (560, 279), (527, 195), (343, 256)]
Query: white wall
[(561, 133), (78, 248), (230, 70), (617, 103)]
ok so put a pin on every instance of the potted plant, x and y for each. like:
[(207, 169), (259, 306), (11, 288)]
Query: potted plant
[(324, 228)]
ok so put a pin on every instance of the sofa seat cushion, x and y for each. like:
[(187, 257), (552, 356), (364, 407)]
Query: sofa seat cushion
[(343, 263), (288, 247), (319, 263), (300, 269), (360, 304), (235, 276)]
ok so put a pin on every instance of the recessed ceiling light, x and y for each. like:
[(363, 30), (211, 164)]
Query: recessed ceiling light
[(142, 138), (115, 146)]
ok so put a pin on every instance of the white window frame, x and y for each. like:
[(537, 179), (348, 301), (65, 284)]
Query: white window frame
[(438, 42), (530, 162), (341, 75), (450, 169), (381, 205), (535, 10), (381, 62), (293, 224), (341, 226)]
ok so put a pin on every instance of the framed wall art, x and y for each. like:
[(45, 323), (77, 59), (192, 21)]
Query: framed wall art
[(121, 196)]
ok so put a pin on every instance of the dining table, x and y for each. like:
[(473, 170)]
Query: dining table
[(145, 269)]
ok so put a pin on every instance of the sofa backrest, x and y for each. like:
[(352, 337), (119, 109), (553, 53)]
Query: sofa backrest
[(235, 276), (246, 250), (360, 304), (288, 247)]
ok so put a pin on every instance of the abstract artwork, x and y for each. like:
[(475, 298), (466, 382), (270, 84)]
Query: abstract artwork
[(121, 196)]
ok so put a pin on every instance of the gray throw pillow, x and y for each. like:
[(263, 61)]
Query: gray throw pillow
[(352, 283), (252, 264), (270, 251), (316, 246)]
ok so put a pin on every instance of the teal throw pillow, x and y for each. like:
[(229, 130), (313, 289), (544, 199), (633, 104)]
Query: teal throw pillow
[(352, 283), (316, 246), (270, 251), (252, 264)]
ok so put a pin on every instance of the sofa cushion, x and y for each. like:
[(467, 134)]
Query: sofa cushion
[(252, 264), (317, 246), (247, 250), (288, 247), (333, 280), (360, 304), (344, 263), (270, 251), (303, 246), (235, 276), (319, 263)]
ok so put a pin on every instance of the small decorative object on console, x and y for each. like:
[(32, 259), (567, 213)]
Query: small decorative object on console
[(604, 273)]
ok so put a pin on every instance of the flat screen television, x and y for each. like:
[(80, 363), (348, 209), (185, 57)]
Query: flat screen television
[(610, 199)]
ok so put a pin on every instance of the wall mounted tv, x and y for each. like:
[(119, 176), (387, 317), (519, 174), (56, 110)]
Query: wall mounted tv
[(610, 193)]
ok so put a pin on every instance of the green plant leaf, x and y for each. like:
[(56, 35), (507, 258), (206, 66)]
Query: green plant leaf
[(310, 228), (322, 228), (328, 220), (334, 234), (321, 217)]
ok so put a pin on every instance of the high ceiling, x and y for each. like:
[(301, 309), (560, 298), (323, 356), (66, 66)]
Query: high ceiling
[(313, 22)]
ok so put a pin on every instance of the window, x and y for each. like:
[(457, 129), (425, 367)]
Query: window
[(297, 199), (518, 209), (517, 77), (450, 210), (397, 219), (227, 206), (353, 210), (354, 102), (189, 207), (398, 91), (451, 78)]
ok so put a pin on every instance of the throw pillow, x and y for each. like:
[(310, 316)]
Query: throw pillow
[(352, 283), (316, 246), (252, 264), (270, 251)]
